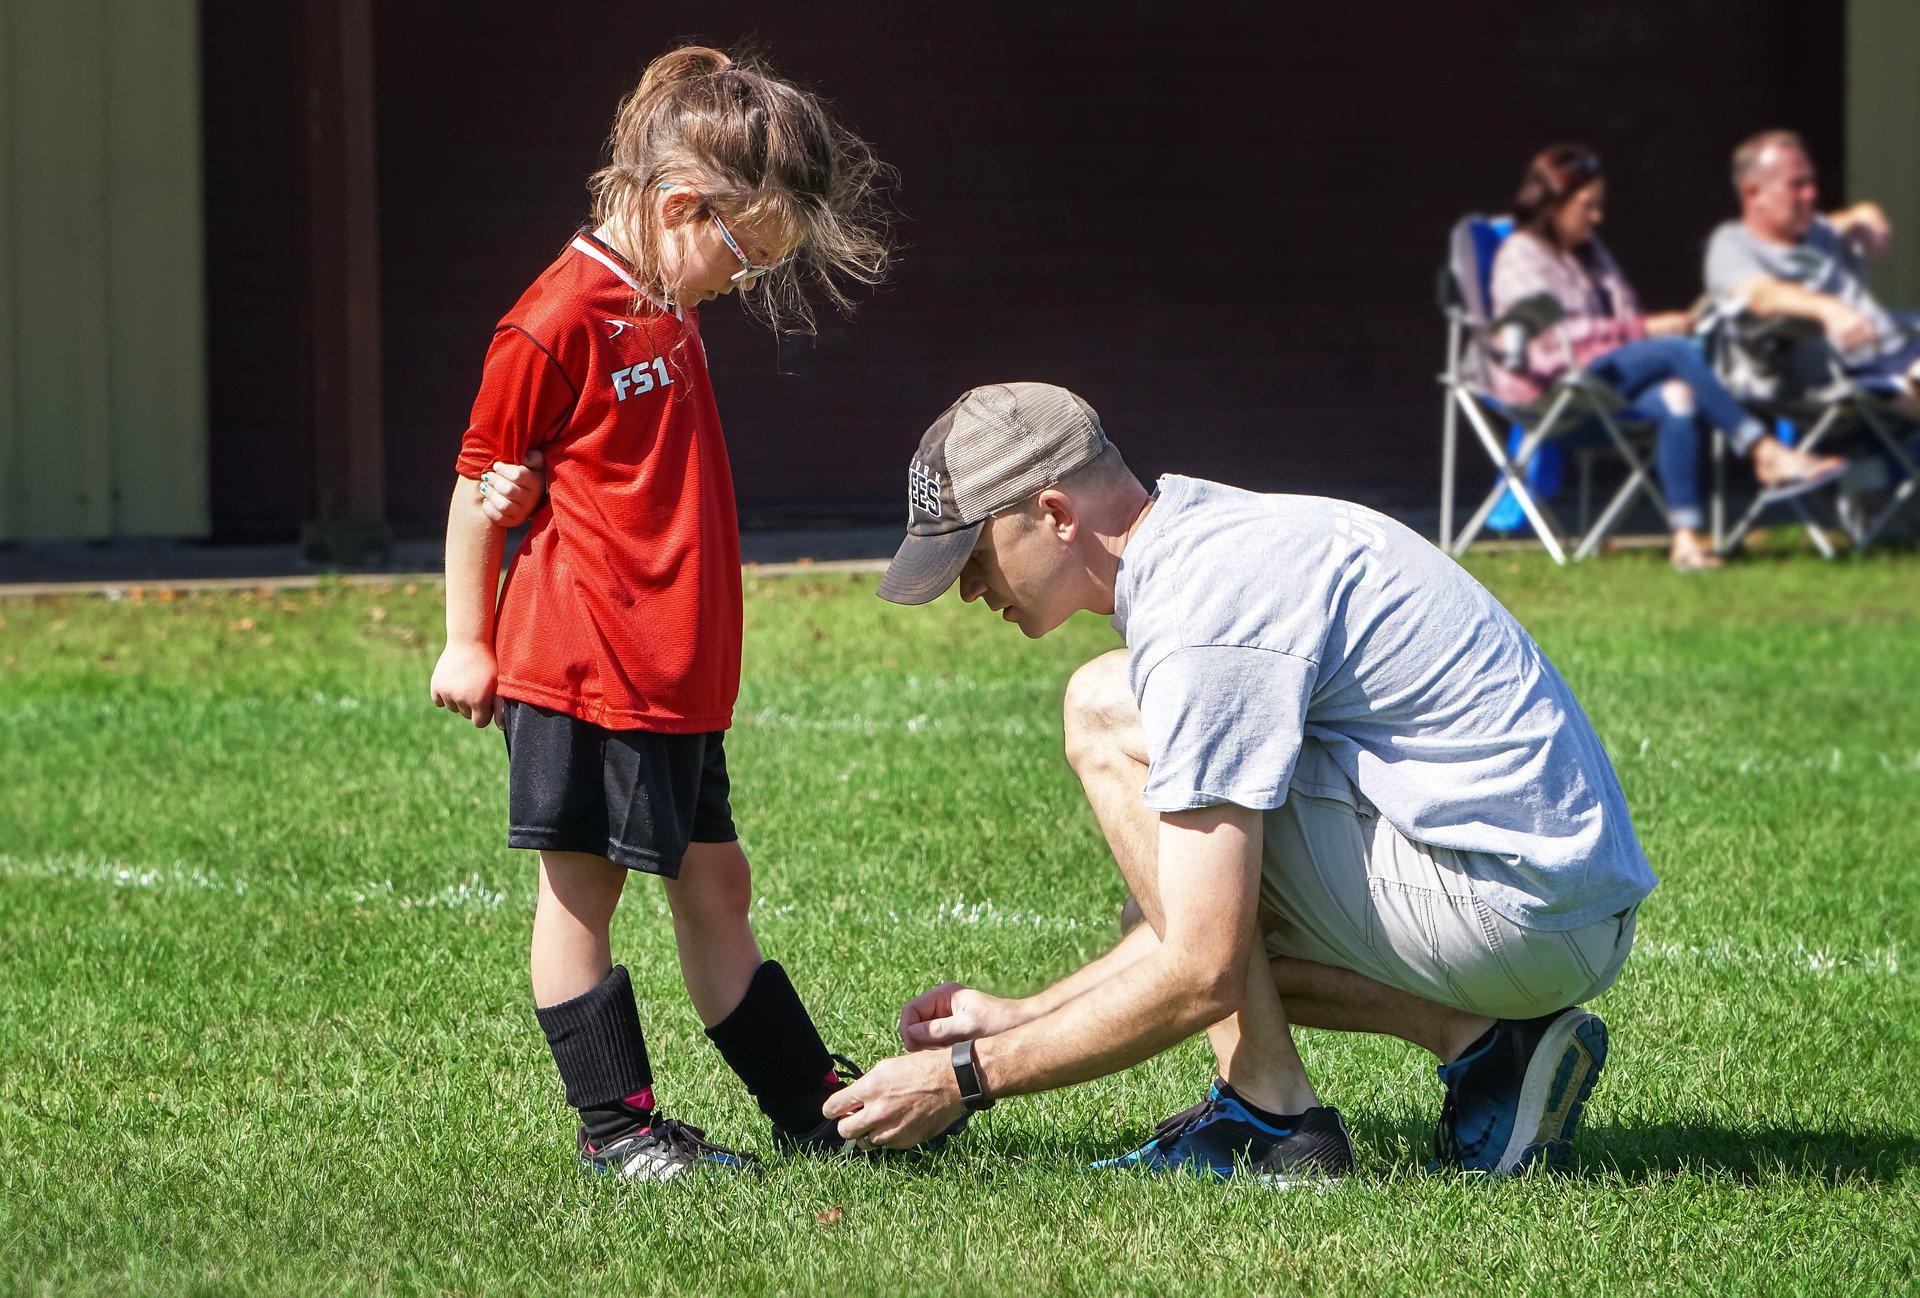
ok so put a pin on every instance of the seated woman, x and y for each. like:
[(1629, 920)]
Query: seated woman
[(1645, 358)]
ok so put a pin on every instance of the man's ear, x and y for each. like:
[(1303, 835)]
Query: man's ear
[(1058, 513)]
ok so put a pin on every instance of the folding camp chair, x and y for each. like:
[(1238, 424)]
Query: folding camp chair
[(1746, 353), (1567, 414)]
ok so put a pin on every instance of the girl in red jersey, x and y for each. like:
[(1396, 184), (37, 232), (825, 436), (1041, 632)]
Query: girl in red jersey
[(614, 660)]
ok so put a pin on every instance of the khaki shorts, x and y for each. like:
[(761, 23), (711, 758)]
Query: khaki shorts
[(1343, 887)]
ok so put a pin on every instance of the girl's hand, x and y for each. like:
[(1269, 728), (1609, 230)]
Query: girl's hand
[(463, 681), (951, 1012), (511, 492)]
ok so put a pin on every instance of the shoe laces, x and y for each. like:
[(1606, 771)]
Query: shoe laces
[(848, 1070), (683, 1139), (1171, 1129)]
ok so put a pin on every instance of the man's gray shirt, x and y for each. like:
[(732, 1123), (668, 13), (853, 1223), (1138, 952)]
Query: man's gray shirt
[(1821, 261), (1254, 620)]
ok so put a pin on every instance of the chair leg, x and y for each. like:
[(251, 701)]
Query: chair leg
[(1586, 491), (1449, 443), (1717, 506), (1828, 421), (1901, 495), (1639, 479), (1870, 530), (1815, 532), (1512, 478)]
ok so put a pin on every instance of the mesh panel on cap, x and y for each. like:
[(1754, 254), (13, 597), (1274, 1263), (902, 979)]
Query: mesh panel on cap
[(1011, 440)]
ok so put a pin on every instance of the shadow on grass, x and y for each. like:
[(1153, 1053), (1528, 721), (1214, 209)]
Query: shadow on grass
[(1603, 1151), (1639, 1153), (1652, 1153)]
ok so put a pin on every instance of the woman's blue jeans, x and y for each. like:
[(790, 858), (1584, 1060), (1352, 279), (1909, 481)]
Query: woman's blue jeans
[(1637, 371)]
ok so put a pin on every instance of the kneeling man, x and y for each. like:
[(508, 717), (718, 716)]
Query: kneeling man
[(1346, 789)]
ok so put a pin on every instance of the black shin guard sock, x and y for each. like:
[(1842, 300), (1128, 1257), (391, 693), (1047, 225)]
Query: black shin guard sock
[(602, 1057), (770, 1041)]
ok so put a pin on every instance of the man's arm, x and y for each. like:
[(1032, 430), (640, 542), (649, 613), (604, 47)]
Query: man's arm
[(1773, 299), (1194, 977), (952, 1012)]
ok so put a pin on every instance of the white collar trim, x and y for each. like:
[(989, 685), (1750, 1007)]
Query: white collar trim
[(581, 244)]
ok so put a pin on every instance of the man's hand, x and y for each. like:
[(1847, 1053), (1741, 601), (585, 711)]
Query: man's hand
[(951, 1012), (1850, 331), (463, 681), (1867, 226), (511, 492), (901, 1102)]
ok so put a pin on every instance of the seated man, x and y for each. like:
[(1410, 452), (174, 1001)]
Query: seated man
[(1782, 262), (1346, 788)]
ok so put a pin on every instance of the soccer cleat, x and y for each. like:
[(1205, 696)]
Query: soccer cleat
[(1514, 1099), (825, 1140), (1219, 1137), (661, 1151)]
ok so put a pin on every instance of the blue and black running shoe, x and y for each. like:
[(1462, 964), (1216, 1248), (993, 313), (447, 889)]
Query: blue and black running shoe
[(660, 1151), (1514, 1098), (1219, 1137)]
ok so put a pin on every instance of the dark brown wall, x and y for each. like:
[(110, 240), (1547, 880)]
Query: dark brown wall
[(1220, 223)]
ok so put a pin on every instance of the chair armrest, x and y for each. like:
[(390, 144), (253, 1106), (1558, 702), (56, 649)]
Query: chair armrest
[(1536, 314)]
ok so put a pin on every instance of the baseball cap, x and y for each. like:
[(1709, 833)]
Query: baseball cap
[(993, 448)]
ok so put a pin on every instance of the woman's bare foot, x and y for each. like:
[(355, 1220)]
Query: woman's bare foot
[(1775, 464), (1691, 553)]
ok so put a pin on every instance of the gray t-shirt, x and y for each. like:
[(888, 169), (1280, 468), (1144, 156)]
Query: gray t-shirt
[(1821, 261), (1253, 620)]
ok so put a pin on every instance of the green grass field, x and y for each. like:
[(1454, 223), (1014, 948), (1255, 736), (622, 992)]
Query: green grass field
[(264, 1025)]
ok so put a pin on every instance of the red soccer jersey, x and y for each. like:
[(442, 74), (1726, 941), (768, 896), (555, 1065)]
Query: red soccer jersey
[(623, 607)]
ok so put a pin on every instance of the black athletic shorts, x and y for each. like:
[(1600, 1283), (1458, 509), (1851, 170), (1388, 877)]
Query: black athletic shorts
[(636, 797)]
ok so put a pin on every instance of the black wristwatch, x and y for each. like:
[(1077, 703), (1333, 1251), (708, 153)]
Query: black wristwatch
[(973, 1092)]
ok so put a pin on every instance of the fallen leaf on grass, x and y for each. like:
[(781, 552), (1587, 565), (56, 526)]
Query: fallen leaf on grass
[(831, 1217)]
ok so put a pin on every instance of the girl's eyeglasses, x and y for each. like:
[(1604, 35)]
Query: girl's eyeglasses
[(748, 272)]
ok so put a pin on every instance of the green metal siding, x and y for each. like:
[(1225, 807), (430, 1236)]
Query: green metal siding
[(1883, 133), (102, 321)]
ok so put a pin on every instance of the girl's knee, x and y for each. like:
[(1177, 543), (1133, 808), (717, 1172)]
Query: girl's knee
[(715, 885), (586, 887)]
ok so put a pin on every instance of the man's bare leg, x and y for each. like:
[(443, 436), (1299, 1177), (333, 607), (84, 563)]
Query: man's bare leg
[(1107, 750), (1340, 1000), (1105, 747)]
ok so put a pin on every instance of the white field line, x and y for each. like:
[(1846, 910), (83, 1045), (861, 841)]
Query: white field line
[(469, 894), (1798, 958), (964, 696), (473, 894)]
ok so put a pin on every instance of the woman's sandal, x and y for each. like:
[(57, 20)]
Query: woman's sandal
[(1800, 484), (1696, 561)]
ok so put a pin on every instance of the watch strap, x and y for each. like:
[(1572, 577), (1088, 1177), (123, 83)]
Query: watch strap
[(973, 1090)]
